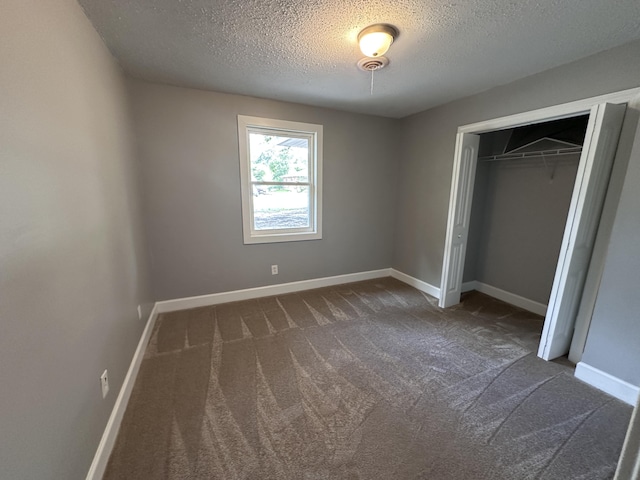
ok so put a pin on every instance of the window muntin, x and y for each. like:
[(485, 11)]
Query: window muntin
[(281, 176)]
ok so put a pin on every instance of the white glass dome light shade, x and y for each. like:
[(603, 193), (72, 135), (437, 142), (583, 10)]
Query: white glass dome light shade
[(375, 40), (375, 44)]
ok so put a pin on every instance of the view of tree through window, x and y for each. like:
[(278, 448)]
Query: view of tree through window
[(280, 181)]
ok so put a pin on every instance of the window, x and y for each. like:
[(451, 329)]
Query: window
[(281, 180)]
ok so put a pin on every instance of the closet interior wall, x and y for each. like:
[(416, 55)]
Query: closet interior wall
[(518, 218)]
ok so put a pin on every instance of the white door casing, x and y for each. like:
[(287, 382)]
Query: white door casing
[(611, 117), (592, 179), (463, 180), (596, 266)]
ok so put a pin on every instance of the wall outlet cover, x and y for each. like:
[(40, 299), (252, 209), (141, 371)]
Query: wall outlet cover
[(274, 269), (104, 383)]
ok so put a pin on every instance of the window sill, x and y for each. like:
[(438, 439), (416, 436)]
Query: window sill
[(281, 238)]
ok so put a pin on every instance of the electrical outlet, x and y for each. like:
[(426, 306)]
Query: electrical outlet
[(139, 313), (274, 269), (104, 382)]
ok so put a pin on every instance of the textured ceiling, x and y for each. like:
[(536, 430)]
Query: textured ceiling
[(305, 51)]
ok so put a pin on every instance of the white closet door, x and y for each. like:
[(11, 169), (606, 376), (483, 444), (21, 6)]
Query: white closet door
[(592, 179), (464, 174)]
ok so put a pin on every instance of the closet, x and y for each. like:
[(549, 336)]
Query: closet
[(505, 239), (524, 182)]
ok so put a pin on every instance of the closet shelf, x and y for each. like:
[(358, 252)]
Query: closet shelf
[(525, 155)]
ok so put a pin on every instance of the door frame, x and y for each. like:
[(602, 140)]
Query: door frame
[(557, 112), (581, 228)]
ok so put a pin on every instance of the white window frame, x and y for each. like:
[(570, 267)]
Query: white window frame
[(313, 132)]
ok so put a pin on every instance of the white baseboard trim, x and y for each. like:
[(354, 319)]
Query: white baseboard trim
[(468, 286), (267, 291), (415, 283), (512, 298), (607, 383), (99, 464), (101, 458)]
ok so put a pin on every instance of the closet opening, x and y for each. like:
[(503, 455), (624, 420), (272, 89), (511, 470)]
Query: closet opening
[(521, 198), (525, 206), (522, 193)]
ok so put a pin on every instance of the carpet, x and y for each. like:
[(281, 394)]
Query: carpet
[(368, 380)]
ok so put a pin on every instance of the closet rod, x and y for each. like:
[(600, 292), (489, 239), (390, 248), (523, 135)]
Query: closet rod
[(524, 155)]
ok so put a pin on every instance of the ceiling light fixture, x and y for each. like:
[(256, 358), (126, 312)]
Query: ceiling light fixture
[(376, 39), (374, 42)]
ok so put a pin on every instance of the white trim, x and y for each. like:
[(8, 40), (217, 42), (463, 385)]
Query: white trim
[(565, 110), (468, 286), (596, 267), (606, 382), (266, 291), (577, 250), (629, 462), (312, 132), (508, 297), (556, 112), (108, 440), (463, 181), (415, 283)]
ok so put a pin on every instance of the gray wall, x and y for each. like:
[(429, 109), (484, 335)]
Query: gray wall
[(188, 146), (517, 228), (71, 268), (613, 344), (428, 141)]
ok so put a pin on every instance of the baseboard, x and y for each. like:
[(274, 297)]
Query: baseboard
[(415, 283), (607, 383), (267, 291), (99, 464), (508, 297), (468, 286)]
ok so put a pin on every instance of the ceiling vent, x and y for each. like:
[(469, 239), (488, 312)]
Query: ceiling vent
[(372, 64)]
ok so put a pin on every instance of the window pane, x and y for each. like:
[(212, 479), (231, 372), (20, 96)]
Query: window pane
[(278, 158), (282, 207)]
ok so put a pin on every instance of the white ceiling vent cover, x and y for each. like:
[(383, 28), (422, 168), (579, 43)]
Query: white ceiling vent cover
[(367, 64)]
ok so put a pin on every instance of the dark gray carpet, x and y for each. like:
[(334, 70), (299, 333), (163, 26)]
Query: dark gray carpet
[(369, 380)]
